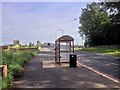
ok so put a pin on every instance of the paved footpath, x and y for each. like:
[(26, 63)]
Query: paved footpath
[(36, 75)]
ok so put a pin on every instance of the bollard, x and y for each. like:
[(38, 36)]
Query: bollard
[(4, 71)]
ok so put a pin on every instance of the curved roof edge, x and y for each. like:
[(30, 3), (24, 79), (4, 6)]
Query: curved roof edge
[(65, 38)]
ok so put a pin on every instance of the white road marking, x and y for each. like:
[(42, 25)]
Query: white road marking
[(100, 73), (45, 55), (48, 49), (45, 49), (114, 64)]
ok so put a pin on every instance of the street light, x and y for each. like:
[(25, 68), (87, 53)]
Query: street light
[(61, 30), (75, 19), (55, 35), (82, 42)]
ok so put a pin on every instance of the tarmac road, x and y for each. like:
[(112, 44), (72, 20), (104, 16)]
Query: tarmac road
[(35, 75), (105, 63)]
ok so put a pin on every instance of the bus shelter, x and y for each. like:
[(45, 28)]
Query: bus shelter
[(63, 47)]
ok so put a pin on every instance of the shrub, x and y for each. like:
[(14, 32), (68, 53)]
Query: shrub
[(15, 69), (7, 81), (15, 62)]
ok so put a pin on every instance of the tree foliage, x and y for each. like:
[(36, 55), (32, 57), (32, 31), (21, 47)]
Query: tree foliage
[(93, 21), (31, 44), (16, 42), (114, 13), (97, 25)]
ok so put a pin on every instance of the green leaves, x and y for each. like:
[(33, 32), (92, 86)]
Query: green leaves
[(15, 62), (93, 22), (6, 82)]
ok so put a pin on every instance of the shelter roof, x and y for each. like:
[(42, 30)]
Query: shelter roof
[(65, 38)]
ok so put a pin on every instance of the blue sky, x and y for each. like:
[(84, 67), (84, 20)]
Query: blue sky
[(32, 21)]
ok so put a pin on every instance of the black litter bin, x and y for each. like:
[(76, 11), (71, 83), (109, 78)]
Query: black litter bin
[(73, 60)]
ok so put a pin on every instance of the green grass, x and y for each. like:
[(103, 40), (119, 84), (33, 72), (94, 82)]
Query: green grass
[(77, 48), (15, 61), (112, 51)]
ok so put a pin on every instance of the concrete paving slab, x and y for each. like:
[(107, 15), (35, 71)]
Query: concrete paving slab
[(53, 64)]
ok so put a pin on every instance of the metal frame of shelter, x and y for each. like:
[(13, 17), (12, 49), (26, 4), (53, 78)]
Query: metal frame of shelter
[(63, 39)]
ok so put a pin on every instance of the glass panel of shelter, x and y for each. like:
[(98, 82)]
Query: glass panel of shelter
[(64, 46), (65, 51)]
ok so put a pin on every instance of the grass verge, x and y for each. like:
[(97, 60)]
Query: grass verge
[(111, 51), (15, 61)]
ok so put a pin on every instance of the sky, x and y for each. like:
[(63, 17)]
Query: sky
[(40, 21)]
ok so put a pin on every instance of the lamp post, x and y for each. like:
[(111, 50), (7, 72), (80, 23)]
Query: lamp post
[(75, 19), (55, 35), (82, 42), (61, 30)]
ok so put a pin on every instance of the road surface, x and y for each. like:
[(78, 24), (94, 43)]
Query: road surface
[(38, 74), (107, 64)]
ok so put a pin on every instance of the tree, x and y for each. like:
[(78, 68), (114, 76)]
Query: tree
[(114, 10), (38, 43), (114, 13), (16, 42), (94, 24), (30, 44)]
